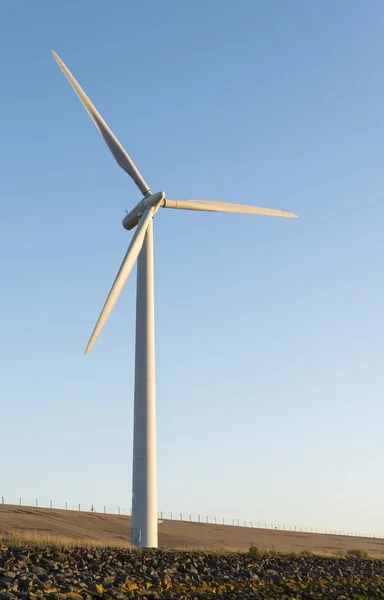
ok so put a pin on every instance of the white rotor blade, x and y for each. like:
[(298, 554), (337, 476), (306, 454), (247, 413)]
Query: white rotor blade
[(225, 207), (121, 156), (122, 276)]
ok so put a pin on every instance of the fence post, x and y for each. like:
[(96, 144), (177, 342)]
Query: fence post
[(215, 521), (223, 521), (118, 509), (190, 518), (181, 516), (79, 507), (20, 502), (51, 503), (199, 519), (207, 519), (2, 499), (171, 516), (66, 506), (36, 502)]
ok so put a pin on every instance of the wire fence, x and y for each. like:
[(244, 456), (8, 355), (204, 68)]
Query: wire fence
[(184, 517)]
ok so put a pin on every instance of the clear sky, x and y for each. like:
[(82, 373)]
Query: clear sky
[(269, 332)]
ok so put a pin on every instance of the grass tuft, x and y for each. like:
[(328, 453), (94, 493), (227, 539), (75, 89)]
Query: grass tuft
[(357, 553), (257, 552)]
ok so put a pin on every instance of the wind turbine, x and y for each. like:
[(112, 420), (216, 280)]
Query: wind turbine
[(144, 479)]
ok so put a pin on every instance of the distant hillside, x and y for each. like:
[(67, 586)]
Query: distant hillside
[(172, 534)]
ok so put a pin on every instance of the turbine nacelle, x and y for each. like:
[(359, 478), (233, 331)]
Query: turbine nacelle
[(131, 220)]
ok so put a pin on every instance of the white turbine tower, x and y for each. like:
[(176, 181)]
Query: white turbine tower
[(144, 480)]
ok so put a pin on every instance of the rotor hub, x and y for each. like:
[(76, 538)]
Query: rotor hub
[(132, 218)]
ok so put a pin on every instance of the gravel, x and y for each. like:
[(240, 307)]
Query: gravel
[(83, 573)]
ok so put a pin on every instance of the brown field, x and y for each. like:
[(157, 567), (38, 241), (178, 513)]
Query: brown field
[(82, 527)]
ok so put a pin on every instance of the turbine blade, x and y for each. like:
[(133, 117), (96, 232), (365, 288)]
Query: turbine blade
[(225, 207), (121, 156), (122, 276)]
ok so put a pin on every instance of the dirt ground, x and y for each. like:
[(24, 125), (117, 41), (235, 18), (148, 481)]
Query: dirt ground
[(54, 523)]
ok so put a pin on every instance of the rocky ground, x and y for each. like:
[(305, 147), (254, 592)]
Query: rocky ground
[(84, 573)]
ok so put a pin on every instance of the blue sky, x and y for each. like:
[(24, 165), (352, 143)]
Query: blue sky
[(269, 333)]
